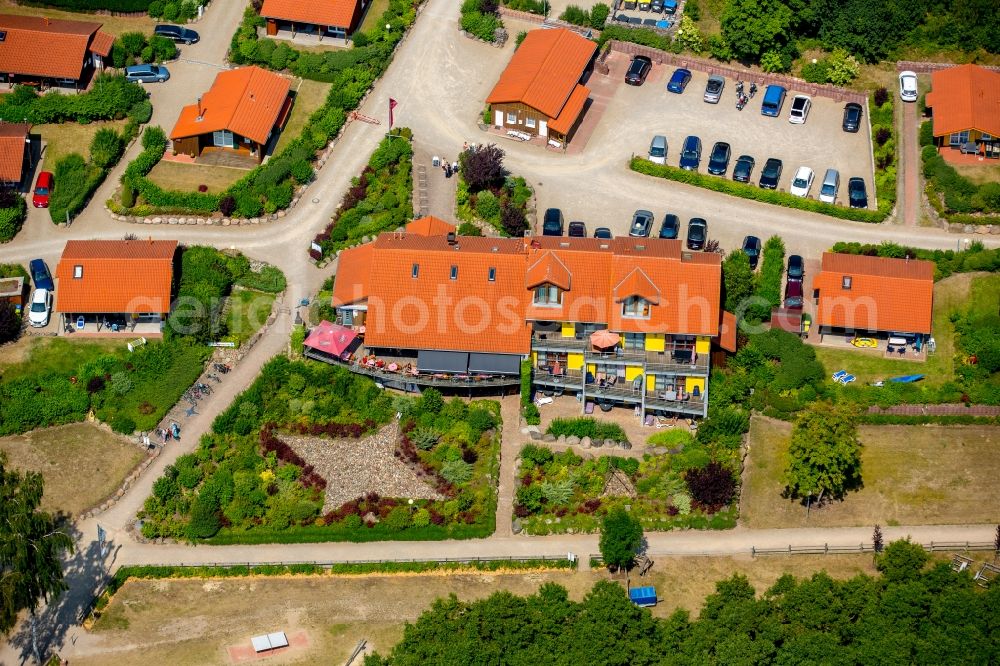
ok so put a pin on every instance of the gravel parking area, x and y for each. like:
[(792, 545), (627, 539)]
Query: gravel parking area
[(355, 467), (819, 143)]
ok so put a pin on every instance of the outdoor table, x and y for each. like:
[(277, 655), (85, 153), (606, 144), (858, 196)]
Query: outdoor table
[(897, 341)]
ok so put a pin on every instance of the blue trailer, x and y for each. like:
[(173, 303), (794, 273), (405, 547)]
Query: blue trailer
[(643, 596)]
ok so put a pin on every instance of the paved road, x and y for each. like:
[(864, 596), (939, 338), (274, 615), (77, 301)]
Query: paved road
[(442, 107)]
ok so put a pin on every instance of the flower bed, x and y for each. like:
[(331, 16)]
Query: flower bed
[(565, 493)]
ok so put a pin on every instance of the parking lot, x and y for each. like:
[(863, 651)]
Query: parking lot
[(640, 112)]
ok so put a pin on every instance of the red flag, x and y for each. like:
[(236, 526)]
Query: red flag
[(392, 105)]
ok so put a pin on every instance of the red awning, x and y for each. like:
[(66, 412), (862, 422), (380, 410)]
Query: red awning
[(330, 338)]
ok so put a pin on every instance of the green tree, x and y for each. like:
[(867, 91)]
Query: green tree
[(902, 561), (10, 322), (754, 27), (621, 536), (825, 454), (737, 278), (31, 549)]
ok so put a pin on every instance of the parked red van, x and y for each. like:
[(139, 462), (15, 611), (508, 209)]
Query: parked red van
[(43, 187)]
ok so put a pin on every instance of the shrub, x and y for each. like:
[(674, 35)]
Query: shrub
[(599, 15), (123, 424), (488, 206), (880, 96), (469, 229), (128, 194), (424, 438), (713, 486), (815, 72), (106, 148), (587, 427), (10, 322), (110, 97), (75, 182), (456, 472), (204, 517), (227, 205), (575, 15), (926, 135), (11, 219)]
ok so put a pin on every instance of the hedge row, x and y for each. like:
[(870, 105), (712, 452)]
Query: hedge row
[(110, 98), (271, 186), (91, 5), (747, 191), (11, 219)]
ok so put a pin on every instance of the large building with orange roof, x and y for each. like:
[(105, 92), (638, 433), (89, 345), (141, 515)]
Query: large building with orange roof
[(320, 18), (875, 296), (539, 93), (624, 321), (115, 286), (46, 51), (243, 112)]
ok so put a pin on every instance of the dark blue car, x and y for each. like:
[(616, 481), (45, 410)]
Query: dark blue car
[(691, 153), (41, 275), (679, 80)]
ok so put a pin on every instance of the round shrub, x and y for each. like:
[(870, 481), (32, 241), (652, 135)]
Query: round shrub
[(227, 204), (121, 383), (141, 112), (422, 518), (123, 424), (128, 194), (170, 11), (248, 205), (399, 518), (302, 172), (155, 8)]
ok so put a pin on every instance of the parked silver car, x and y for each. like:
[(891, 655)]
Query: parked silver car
[(147, 73), (713, 89)]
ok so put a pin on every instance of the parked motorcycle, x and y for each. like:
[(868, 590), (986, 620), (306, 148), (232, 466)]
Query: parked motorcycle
[(741, 101), (753, 89)]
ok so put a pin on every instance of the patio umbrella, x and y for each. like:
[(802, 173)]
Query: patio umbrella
[(604, 338), (330, 338)]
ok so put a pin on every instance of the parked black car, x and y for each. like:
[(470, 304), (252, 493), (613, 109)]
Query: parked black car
[(857, 195), (697, 233), (577, 230), (671, 227), (771, 173), (852, 117), (603, 232), (743, 168), (718, 161), (751, 247), (176, 33), (796, 268), (642, 224), (691, 153), (638, 70), (552, 222), (793, 295)]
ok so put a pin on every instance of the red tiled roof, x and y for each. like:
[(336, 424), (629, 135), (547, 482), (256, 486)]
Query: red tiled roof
[(118, 276), (884, 294), (963, 98), (102, 43), (434, 311), (44, 47), (544, 71), (574, 106), (12, 146), (338, 13), (247, 101), (429, 226), (727, 332)]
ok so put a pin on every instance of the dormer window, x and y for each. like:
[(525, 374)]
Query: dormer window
[(415, 271), (635, 307), (454, 273), (548, 295), (845, 283), (492, 274), (77, 272)]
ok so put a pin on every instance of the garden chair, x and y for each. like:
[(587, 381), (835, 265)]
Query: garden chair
[(847, 379), (840, 374)]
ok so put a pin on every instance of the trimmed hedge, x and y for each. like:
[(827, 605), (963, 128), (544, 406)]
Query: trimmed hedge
[(643, 36), (91, 5), (747, 191), (11, 219), (110, 98)]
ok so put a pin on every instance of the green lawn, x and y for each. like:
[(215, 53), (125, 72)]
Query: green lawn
[(248, 310), (64, 138), (374, 14), (309, 96), (39, 356), (184, 177), (950, 295)]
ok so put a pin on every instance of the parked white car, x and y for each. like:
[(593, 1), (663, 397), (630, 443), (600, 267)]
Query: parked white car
[(802, 181), (800, 109), (41, 308), (908, 86)]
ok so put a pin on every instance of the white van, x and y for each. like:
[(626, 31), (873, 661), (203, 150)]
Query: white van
[(658, 150), (831, 184)]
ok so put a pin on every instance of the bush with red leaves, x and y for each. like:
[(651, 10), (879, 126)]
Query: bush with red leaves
[(712, 486)]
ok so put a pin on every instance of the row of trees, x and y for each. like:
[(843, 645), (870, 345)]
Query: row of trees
[(909, 614)]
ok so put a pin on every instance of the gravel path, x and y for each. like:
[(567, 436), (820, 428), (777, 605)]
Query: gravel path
[(355, 467)]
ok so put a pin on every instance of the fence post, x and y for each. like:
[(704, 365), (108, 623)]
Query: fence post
[(826, 548)]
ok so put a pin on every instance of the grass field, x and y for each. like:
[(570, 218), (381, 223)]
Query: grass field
[(950, 295), (987, 173), (188, 177), (81, 463), (37, 355), (65, 138), (115, 25), (374, 14), (309, 96), (194, 621), (248, 310), (912, 475)]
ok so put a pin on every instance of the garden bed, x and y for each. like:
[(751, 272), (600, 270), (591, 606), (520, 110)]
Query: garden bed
[(567, 493)]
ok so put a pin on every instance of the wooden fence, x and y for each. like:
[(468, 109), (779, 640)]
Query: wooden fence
[(923, 67)]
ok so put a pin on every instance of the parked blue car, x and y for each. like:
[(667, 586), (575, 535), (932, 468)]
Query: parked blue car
[(691, 153), (40, 275), (679, 80)]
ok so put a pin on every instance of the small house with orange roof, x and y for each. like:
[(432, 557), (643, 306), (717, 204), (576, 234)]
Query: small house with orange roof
[(42, 51), (875, 297), (243, 113), (540, 92), (626, 321), (319, 18), (965, 106), (112, 286), (15, 153)]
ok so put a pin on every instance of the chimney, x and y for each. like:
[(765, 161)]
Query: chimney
[(201, 114), (451, 238)]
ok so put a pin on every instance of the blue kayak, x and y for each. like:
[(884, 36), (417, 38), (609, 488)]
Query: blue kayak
[(906, 379)]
